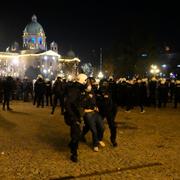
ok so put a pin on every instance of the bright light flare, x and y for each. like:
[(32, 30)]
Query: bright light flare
[(154, 69), (15, 61), (164, 65), (44, 71), (45, 57), (100, 75)]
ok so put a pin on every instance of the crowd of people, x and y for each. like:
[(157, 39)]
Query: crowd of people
[(86, 99)]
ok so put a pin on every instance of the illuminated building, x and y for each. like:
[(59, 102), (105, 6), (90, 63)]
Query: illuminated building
[(34, 58)]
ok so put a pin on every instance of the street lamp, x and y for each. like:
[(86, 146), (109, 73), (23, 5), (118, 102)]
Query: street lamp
[(100, 75), (154, 69)]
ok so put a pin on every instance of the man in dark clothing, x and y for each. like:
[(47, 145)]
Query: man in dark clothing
[(129, 95), (58, 91), (72, 114), (27, 89), (139, 90), (162, 93), (39, 87), (171, 89), (7, 91), (19, 89), (177, 93), (152, 91), (108, 108), (48, 93)]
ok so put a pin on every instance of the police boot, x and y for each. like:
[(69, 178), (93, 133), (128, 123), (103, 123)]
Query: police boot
[(74, 158), (114, 144)]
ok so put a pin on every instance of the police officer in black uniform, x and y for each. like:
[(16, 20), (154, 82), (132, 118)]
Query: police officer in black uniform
[(59, 91), (162, 93), (108, 108), (48, 92), (72, 115), (7, 92), (177, 93), (152, 91), (40, 91)]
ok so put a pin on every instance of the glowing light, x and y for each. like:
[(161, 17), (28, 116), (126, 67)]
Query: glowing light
[(178, 65), (154, 69), (100, 75), (164, 65), (70, 77), (76, 59), (45, 57), (144, 55), (44, 71), (171, 74), (15, 61), (167, 48), (153, 66)]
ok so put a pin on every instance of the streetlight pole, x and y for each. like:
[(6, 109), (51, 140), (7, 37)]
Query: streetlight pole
[(100, 75)]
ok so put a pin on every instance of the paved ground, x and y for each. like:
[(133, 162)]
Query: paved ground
[(33, 145)]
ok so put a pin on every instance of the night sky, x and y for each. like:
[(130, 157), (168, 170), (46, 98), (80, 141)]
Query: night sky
[(84, 26)]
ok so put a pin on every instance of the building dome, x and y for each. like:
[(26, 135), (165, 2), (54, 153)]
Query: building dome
[(34, 36), (71, 54), (34, 27)]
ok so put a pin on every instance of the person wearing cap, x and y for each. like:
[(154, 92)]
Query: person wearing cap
[(72, 113)]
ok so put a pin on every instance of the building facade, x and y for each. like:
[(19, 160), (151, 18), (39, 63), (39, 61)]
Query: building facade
[(35, 58)]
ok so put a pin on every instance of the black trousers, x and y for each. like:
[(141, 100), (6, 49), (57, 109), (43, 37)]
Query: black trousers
[(40, 100), (48, 97), (6, 101), (112, 127), (55, 100), (75, 132)]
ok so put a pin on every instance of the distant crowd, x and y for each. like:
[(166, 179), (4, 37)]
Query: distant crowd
[(127, 93)]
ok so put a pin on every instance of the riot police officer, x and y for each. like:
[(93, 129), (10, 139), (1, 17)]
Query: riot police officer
[(72, 115), (108, 108)]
